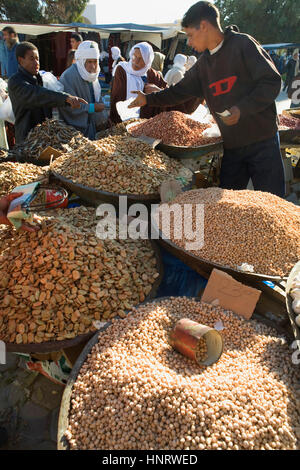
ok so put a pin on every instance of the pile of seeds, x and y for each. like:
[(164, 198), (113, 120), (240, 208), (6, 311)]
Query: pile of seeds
[(134, 391), (288, 122), (55, 283), (252, 227), (52, 133), (120, 164), (201, 352), (174, 128), (16, 174), (118, 129)]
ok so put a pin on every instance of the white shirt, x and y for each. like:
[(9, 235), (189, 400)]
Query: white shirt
[(216, 49)]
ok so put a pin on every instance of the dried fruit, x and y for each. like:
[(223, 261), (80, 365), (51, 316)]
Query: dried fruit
[(54, 296), (51, 132), (120, 165)]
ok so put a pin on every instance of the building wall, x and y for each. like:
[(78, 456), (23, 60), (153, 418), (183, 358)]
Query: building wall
[(91, 13)]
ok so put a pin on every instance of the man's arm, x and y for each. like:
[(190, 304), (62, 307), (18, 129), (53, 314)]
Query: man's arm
[(34, 96), (190, 86), (266, 79)]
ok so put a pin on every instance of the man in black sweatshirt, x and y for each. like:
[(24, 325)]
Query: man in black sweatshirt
[(239, 83)]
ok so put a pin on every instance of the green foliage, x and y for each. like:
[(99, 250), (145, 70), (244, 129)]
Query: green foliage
[(268, 21), (25, 11), (64, 11), (42, 11)]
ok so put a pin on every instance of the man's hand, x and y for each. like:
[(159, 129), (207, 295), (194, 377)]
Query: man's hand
[(150, 88), (234, 117), (74, 101), (99, 107), (4, 205), (140, 101)]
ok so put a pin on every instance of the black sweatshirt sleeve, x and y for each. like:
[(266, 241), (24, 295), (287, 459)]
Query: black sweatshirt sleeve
[(32, 96), (265, 77), (188, 87)]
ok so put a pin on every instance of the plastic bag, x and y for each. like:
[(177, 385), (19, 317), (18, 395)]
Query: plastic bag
[(50, 81), (3, 89), (124, 112), (212, 131), (6, 111)]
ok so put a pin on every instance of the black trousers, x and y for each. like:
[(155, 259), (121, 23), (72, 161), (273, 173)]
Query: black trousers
[(262, 162)]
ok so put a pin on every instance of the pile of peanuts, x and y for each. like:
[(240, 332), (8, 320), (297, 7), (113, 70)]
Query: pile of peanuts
[(17, 174), (118, 129), (174, 128), (134, 391), (252, 227), (120, 164), (55, 283)]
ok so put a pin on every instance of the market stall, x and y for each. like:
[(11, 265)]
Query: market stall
[(63, 287)]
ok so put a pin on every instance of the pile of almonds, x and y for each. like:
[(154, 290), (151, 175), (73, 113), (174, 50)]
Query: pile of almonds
[(55, 283), (17, 174), (134, 391), (175, 128), (252, 227), (121, 165)]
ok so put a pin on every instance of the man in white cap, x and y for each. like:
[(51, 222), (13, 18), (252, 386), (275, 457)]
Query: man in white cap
[(83, 77)]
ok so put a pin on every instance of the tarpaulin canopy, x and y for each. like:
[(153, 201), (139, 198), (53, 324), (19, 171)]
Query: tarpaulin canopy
[(34, 29), (154, 34), (282, 45)]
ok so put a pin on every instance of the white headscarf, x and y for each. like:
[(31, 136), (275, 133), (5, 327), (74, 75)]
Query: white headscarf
[(88, 50), (116, 54), (134, 77), (191, 60), (180, 61)]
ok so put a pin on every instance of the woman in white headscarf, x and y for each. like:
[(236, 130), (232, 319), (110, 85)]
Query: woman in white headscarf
[(117, 58), (136, 74), (176, 73), (82, 78)]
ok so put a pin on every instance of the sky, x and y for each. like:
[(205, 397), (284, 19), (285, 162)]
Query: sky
[(141, 11)]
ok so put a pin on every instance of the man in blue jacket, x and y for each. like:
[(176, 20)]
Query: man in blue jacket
[(11, 41)]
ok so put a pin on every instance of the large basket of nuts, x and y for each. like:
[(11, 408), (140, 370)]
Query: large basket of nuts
[(129, 389), (117, 166), (58, 283), (249, 234)]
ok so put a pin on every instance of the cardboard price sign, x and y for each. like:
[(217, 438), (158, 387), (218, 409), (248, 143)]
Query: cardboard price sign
[(230, 294)]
